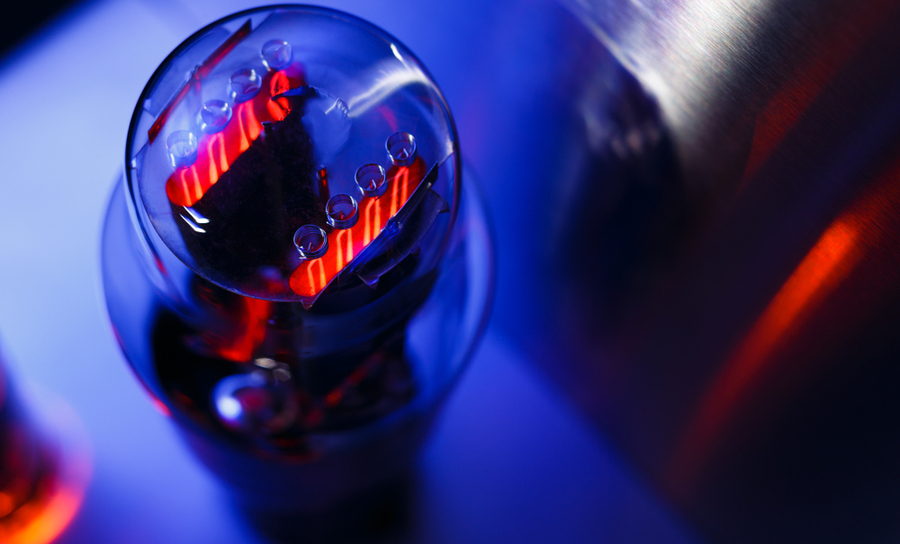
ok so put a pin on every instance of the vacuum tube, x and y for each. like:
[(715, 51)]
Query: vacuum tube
[(295, 264)]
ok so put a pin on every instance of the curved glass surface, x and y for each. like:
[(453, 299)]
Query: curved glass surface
[(275, 123), (308, 272)]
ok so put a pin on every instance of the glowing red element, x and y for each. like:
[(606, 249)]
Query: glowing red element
[(250, 333), (199, 75), (311, 277), (217, 152), (222, 51), (278, 107), (344, 250)]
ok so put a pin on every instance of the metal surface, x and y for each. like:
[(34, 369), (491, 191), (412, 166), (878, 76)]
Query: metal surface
[(726, 310)]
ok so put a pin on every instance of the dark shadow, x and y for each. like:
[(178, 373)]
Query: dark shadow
[(379, 515)]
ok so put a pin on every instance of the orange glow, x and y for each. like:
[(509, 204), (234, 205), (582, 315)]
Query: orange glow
[(316, 282), (250, 332), (47, 520), (190, 183), (254, 127), (375, 213), (833, 258), (404, 187), (344, 256), (367, 221), (217, 152), (58, 495), (248, 127), (216, 170)]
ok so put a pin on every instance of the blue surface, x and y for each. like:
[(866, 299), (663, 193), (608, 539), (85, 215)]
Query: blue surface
[(510, 460)]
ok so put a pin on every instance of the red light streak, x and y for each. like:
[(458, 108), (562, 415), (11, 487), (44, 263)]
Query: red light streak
[(404, 187), (395, 189), (829, 262), (248, 127), (222, 51), (48, 519), (316, 282), (833, 258), (367, 235), (343, 259), (193, 187), (375, 213), (157, 404), (334, 397)]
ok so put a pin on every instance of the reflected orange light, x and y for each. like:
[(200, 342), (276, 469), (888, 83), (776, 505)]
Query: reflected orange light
[(216, 153), (395, 191), (835, 255), (829, 262), (58, 495), (279, 107), (250, 332), (49, 522)]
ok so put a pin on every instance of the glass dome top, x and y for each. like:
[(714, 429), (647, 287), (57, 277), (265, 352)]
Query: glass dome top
[(283, 151)]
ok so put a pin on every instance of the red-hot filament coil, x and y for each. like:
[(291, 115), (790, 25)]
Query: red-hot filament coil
[(217, 152)]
